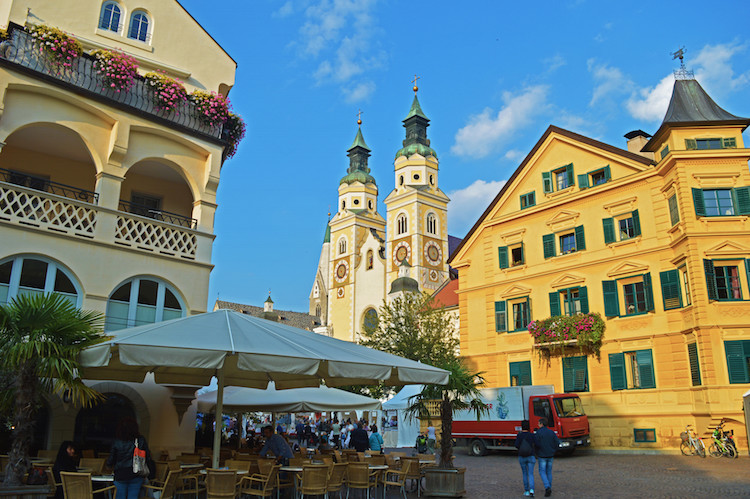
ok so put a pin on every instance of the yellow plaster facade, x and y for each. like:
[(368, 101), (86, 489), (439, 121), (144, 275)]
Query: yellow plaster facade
[(625, 235)]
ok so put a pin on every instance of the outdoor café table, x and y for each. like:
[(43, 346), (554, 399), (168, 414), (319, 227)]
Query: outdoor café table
[(239, 472), (191, 466), (106, 480)]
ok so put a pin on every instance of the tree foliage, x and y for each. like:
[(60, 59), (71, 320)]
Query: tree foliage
[(41, 337)]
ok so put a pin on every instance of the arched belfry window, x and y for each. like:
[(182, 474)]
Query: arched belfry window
[(431, 223), (35, 275), (342, 246), (401, 224), (139, 26), (109, 18), (370, 259), (140, 301)]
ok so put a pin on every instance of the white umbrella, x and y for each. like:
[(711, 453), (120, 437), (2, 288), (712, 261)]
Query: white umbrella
[(292, 400), (241, 350)]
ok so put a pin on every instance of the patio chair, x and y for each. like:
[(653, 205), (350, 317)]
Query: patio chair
[(95, 464), (392, 462), (314, 480), (160, 474), (336, 478), (428, 457), (78, 485), (167, 488), (358, 476), (237, 464), (396, 478), (189, 482), (88, 453), (265, 465), (53, 485), (338, 457), (221, 483), (376, 459), (190, 458), (398, 454), (414, 472), (47, 454), (260, 485)]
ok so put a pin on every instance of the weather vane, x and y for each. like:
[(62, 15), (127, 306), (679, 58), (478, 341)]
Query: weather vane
[(414, 81), (359, 117), (682, 73)]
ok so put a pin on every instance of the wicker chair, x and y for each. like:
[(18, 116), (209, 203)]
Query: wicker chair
[(78, 485), (358, 476), (167, 488), (338, 457), (314, 480), (260, 485), (190, 458), (238, 464), (414, 472), (336, 478), (397, 478), (376, 459), (221, 483), (53, 485), (95, 464)]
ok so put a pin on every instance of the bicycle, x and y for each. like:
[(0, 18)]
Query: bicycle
[(723, 444), (692, 444)]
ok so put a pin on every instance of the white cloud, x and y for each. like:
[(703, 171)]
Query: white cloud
[(285, 10), (608, 80), (487, 131), (514, 155), (360, 92), (650, 103), (714, 69), (555, 62), (469, 203)]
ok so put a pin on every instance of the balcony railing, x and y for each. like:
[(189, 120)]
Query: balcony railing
[(21, 52), (43, 184), (164, 216)]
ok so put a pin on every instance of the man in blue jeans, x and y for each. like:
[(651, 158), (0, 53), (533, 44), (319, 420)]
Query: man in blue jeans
[(546, 445)]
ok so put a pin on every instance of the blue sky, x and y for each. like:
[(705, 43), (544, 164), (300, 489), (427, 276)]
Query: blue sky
[(493, 74)]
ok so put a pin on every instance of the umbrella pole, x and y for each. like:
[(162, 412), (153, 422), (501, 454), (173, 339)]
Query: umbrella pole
[(219, 426)]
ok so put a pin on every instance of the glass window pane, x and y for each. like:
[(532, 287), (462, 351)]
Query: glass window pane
[(63, 284), (170, 300), (567, 243), (33, 273), (147, 292), (30, 292), (171, 314), (4, 294), (145, 314), (5, 270), (122, 293), (117, 316)]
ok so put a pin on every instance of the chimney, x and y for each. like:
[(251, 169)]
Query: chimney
[(636, 141)]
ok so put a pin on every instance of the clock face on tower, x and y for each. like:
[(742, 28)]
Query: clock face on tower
[(401, 252), (342, 270), (433, 253)]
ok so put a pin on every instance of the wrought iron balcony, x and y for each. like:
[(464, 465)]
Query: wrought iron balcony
[(21, 53), (161, 215), (43, 184)]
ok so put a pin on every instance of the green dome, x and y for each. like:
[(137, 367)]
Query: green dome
[(404, 284), (417, 148), (357, 176)]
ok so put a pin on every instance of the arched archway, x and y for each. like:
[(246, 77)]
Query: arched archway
[(95, 426), (156, 189)]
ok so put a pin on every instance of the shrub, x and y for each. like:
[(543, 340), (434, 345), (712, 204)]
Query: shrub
[(117, 69)]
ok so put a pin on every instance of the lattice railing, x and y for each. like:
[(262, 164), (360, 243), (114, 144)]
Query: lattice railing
[(38, 209), (156, 237)]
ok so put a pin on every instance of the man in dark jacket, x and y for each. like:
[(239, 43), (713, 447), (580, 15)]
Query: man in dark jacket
[(359, 440), (546, 446)]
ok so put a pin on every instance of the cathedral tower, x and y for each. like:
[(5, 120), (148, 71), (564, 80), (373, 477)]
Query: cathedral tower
[(417, 210)]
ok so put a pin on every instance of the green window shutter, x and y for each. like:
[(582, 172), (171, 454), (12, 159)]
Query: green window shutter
[(670, 289), (730, 142), (607, 174), (742, 195), (547, 182), (674, 211), (636, 223), (570, 174), (523, 254), (580, 239), (569, 374), (583, 181), (736, 364), (502, 256), (580, 373), (645, 368), (747, 269), (548, 242), (523, 371), (609, 230), (690, 144), (617, 376), (554, 304), (700, 205), (708, 267), (515, 372), (500, 317), (583, 295), (649, 289), (611, 303), (695, 366)]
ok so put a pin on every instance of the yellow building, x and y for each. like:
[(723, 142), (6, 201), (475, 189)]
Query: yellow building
[(364, 254), (104, 196), (656, 239)]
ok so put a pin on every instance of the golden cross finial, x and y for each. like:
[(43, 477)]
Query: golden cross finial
[(359, 117), (414, 81)]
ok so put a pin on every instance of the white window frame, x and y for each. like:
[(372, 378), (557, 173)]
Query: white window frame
[(49, 281), (120, 23), (135, 283), (432, 224), (149, 29)]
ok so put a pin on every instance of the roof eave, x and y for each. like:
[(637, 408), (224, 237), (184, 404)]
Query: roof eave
[(658, 137)]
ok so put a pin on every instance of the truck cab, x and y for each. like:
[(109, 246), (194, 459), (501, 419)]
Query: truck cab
[(566, 418)]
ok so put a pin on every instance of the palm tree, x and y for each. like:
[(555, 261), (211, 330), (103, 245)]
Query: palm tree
[(461, 393), (40, 339)]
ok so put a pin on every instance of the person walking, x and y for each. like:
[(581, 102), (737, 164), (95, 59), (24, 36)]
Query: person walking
[(335, 433), (526, 443), (299, 430), (431, 439), (546, 446), (376, 440), (359, 439), (127, 483)]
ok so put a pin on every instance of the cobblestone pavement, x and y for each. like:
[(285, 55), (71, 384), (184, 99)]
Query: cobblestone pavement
[(589, 474)]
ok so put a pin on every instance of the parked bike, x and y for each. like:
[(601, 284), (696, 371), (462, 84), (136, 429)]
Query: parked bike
[(692, 444), (723, 443)]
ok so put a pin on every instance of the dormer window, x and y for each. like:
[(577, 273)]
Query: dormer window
[(110, 17), (139, 26)]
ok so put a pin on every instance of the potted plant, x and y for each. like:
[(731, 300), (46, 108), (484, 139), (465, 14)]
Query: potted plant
[(554, 335), (234, 132), (58, 47), (168, 92), (40, 339), (117, 70), (461, 393), (213, 108)]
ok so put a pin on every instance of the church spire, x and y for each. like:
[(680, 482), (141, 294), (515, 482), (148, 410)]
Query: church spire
[(358, 154), (416, 124)]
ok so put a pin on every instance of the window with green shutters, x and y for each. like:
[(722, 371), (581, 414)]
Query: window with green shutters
[(621, 228), (520, 373), (510, 256), (695, 366), (569, 242), (712, 143), (528, 200), (721, 202), (569, 301), (632, 370), (724, 279), (637, 293), (670, 289), (664, 152), (558, 179), (738, 360), (500, 319), (575, 374), (594, 178), (674, 211), (521, 310)]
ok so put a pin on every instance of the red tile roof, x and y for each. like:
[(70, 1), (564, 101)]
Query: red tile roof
[(446, 295)]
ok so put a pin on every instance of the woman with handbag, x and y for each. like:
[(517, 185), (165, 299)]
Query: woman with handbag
[(128, 458)]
